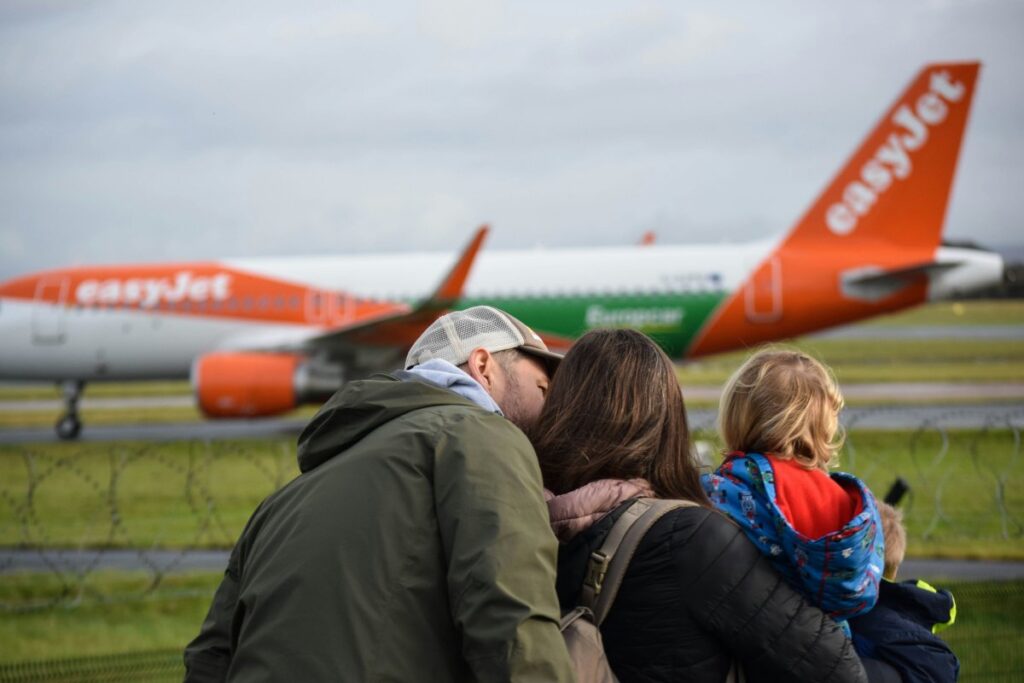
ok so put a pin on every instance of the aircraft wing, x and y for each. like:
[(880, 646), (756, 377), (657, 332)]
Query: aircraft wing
[(402, 325)]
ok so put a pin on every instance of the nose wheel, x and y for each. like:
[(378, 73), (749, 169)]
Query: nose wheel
[(70, 425)]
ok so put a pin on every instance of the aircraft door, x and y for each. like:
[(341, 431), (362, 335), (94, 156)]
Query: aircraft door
[(763, 293), (48, 311), (342, 309), (317, 306)]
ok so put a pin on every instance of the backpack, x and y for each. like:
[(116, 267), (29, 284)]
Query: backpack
[(581, 626)]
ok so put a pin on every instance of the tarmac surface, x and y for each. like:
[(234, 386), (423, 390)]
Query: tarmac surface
[(171, 561), (868, 391), (946, 416)]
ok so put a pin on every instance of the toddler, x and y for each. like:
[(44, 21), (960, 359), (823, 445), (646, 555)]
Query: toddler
[(900, 629), (779, 419)]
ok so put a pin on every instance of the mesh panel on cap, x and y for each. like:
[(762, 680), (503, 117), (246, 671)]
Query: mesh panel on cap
[(452, 337)]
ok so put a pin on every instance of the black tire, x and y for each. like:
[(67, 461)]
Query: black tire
[(68, 427)]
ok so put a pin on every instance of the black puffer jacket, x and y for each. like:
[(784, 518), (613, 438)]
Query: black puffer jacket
[(698, 593)]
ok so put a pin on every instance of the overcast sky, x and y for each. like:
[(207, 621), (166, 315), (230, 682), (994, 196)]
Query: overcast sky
[(148, 131)]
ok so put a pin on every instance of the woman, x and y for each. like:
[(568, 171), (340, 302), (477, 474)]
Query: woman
[(697, 593)]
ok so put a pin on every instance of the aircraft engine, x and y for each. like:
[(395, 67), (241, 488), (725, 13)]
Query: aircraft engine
[(230, 385)]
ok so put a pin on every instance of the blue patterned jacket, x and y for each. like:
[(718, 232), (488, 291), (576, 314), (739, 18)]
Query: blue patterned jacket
[(839, 572)]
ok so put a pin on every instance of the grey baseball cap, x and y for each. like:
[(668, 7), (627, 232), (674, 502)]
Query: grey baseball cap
[(455, 335)]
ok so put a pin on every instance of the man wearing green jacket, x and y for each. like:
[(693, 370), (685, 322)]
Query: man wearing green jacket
[(415, 544)]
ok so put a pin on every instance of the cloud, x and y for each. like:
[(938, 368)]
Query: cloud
[(135, 131)]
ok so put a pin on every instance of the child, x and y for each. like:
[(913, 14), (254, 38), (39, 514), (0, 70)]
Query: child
[(900, 629), (779, 419)]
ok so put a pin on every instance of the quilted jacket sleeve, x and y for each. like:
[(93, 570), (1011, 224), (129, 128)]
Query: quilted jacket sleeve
[(733, 591)]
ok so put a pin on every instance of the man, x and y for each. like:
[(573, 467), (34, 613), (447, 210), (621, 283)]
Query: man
[(415, 544)]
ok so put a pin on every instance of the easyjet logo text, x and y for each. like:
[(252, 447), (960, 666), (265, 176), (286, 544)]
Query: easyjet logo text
[(892, 161), (150, 292)]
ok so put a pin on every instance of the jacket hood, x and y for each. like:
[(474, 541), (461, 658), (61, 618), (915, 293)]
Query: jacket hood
[(361, 407), (839, 572)]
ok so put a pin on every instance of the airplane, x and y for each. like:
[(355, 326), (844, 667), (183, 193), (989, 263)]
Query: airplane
[(257, 337)]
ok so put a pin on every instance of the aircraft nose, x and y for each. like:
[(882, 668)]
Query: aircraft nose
[(1013, 278)]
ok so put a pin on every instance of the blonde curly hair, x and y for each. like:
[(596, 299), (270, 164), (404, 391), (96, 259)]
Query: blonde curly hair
[(786, 403)]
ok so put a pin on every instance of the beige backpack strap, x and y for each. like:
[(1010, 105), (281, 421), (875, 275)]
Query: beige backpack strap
[(608, 565)]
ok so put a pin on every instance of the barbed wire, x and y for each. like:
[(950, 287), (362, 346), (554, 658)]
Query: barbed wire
[(38, 537), (75, 514)]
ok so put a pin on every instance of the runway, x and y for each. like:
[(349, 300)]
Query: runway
[(862, 392), (174, 431), (965, 416)]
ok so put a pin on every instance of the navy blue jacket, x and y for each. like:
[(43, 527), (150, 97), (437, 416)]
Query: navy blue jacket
[(900, 631)]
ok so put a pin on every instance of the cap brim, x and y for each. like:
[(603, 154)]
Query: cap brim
[(550, 359)]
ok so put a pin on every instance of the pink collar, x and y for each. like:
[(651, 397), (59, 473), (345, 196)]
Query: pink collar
[(577, 510)]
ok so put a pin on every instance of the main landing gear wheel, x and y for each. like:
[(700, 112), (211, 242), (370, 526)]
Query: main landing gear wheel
[(68, 427)]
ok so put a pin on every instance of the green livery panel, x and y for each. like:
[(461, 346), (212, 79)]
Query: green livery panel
[(673, 320)]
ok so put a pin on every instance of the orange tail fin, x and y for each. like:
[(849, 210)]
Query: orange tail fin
[(896, 186), (868, 242)]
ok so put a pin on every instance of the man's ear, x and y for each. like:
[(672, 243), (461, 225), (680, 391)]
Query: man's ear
[(483, 367)]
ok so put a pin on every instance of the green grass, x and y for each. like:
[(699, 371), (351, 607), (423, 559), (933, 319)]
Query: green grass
[(896, 360), (967, 496), (108, 613), (27, 419), (987, 636), (119, 615), (967, 488), (981, 312), (179, 494), (49, 390)]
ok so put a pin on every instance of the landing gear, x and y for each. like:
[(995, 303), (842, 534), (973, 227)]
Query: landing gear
[(69, 425)]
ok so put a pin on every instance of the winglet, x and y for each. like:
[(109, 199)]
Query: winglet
[(451, 286)]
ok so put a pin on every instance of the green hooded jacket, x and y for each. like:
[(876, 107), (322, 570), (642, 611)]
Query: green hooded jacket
[(414, 546)]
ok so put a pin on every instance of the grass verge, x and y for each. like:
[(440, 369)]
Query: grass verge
[(176, 494), (966, 500), (895, 360), (986, 636), (978, 312), (116, 614), (31, 391)]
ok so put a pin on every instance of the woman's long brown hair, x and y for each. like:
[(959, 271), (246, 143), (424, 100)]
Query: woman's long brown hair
[(615, 411)]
